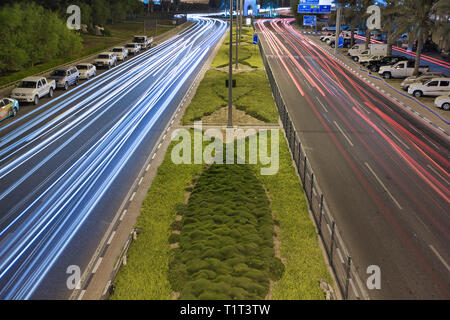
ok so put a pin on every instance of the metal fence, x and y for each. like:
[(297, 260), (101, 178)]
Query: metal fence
[(339, 259)]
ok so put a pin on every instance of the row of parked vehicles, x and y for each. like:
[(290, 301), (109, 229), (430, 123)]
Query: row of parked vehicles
[(434, 84), (32, 89)]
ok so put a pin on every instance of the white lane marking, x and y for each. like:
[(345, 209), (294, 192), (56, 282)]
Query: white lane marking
[(323, 106), (140, 181), (340, 255), (440, 257), (154, 155), (106, 287), (354, 289), (159, 146), (123, 215), (383, 185), (148, 167), (404, 144), (80, 297), (111, 237), (437, 173), (97, 265), (342, 132), (132, 196)]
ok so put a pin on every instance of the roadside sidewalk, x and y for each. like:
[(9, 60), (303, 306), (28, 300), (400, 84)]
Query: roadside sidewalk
[(426, 112), (98, 274)]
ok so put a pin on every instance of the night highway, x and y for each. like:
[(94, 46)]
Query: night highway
[(385, 174), (66, 167)]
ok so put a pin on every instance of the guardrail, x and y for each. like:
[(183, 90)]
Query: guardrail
[(339, 259)]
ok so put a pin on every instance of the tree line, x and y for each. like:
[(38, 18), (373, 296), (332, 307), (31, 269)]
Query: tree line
[(36, 32)]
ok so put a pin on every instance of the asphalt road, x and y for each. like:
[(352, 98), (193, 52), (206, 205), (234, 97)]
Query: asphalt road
[(67, 165), (384, 174)]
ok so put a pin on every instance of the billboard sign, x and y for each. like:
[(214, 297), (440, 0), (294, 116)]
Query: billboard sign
[(313, 8)]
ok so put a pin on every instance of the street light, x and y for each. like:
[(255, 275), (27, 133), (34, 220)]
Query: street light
[(338, 29), (230, 71)]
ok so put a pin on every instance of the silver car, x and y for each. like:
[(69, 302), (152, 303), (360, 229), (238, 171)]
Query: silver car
[(65, 77)]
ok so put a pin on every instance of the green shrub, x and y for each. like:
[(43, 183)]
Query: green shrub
[(224, 236)]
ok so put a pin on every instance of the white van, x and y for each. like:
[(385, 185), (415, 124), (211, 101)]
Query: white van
[(434, 87), (357, 48), (378, 49)]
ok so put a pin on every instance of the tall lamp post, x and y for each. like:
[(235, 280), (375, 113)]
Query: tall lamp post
[(230, 71), (237, 33), (338, 29)]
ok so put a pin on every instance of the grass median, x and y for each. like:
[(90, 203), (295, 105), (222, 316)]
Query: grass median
[(147, 273), (252, 93)]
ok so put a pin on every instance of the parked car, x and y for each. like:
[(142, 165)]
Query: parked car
[(365, 60), (443, 102), (420, 78), (133, 48), (374, 66), (326, 36), (144, 41), (8, 108), (434, 87), (65, 77), (31, 89), (401, 69), (87, 70), (105, 60), (361, 54), (121, 53)]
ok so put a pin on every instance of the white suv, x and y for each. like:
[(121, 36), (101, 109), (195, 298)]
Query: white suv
[(120, 52), (133, 48), (86, 70), (106, 60), (434, 87)]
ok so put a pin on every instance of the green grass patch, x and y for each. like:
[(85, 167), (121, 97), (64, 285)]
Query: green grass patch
[(248, 52), (145, 275), (303, 259), (226, 244), (252, 95)]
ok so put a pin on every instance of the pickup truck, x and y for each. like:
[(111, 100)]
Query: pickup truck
[(143, 41), (401, 69), (375, 66), (31, 89)]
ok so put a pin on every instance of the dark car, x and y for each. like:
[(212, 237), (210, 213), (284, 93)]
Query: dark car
[(374, 66)]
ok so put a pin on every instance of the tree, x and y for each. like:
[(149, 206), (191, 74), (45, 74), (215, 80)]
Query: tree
[(415, 17), (389, 15), (33, 35)]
